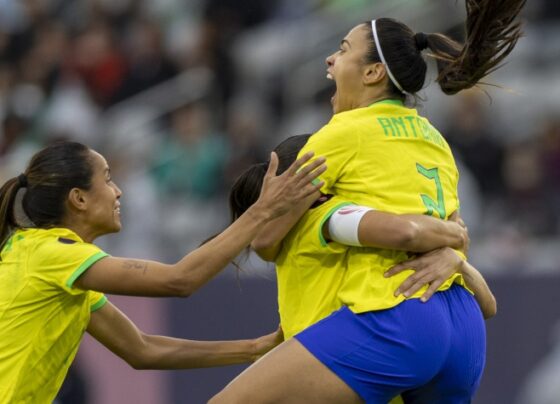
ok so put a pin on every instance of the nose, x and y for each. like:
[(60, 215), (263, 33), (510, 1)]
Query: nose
[(118, 191), (330, 60)]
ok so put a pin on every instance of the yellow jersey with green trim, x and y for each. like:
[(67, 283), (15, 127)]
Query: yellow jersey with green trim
[(388, 157), (309, 271), (42, 316)]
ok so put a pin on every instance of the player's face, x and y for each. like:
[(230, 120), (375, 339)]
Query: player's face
[(104, 213), (346, 67)]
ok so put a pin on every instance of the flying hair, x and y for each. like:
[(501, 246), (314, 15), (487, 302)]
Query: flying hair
[(491, 34), (492, 31)]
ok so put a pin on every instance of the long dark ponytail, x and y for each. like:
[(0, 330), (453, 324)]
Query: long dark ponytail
[(8, 194), (492, 31)]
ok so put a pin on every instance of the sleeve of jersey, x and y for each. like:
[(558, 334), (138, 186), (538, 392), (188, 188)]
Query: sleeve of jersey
[(338, 144), (62, 264), (330, 209), (96, 300)]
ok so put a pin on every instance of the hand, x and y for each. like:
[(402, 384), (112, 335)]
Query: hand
[(456, 217), (431, 269), (267, 342), (280, 193)]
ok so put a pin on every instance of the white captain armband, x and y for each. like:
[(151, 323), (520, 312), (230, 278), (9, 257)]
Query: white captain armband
[(344, 223)]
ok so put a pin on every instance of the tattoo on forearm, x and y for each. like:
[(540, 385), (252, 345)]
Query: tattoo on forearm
[(139, 265)]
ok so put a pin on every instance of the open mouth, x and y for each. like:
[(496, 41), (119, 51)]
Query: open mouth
[(331, 78)]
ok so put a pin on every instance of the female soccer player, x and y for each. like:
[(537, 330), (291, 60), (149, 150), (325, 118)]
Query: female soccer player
[(384, 155), (52, 277), (310, 270)]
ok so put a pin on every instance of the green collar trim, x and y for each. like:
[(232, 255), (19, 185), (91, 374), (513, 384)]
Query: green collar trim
[(390, 102)]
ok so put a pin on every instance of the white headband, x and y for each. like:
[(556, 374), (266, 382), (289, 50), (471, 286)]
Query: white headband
[(378, 46)]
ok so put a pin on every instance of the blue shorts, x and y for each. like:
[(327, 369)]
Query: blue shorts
[(431, 352)]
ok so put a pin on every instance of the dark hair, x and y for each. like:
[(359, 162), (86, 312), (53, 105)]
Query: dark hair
[(49, 177), (247, 187), (491, 34)]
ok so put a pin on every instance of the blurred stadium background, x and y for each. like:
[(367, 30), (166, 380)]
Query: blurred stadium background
[(180, 96)]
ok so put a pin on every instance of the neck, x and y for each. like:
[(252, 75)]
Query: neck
[(372, 100), (85, 232)]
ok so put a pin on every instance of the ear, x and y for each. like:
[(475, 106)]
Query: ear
[(77, 199), (373, 74)]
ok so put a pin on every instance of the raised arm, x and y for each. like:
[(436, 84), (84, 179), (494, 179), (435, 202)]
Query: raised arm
[(268, 242), (149, 278), (119, 334)]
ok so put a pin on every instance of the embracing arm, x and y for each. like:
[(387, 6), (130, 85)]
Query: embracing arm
[(150, 278), (482, 293), (434, 268), (119, 334), (417, 233)]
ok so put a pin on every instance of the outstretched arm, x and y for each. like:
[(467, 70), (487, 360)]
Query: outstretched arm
[(119, 334), (150, 278)]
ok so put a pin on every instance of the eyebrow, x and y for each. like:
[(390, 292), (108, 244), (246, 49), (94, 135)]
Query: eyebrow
[(344, 41)]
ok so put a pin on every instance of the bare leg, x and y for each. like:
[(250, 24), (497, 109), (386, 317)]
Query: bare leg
[(287, 374)]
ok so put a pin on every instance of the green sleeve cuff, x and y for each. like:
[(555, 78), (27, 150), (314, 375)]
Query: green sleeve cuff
[(100, 303), (85, 265), (327, 217)]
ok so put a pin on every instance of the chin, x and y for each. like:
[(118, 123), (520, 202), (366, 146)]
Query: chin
[(114, 228)]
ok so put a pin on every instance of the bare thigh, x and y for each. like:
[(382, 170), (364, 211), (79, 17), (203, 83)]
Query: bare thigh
[(287, 374)]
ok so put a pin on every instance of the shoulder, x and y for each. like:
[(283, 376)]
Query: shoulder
[(54, 246), (337, 137)]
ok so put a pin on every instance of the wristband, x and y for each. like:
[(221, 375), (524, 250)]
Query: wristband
[(344, 224)]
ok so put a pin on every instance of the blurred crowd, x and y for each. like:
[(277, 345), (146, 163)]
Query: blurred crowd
[(85, 70)]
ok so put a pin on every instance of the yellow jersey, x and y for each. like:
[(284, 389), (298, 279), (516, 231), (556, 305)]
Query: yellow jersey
[(309, 271), (42, 317), (388, 157)]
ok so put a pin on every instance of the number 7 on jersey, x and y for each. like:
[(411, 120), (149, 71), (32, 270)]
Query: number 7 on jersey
[(431, 205)]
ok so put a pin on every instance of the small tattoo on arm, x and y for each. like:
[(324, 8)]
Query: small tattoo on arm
[(138, 265)]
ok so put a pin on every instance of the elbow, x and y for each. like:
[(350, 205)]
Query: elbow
[(179, 284), (181, 288), (139, 357), (139, 364), (491, 309), (262, 244), (266, 249)]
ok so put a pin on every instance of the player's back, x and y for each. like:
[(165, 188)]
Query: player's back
[(387, 157)]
